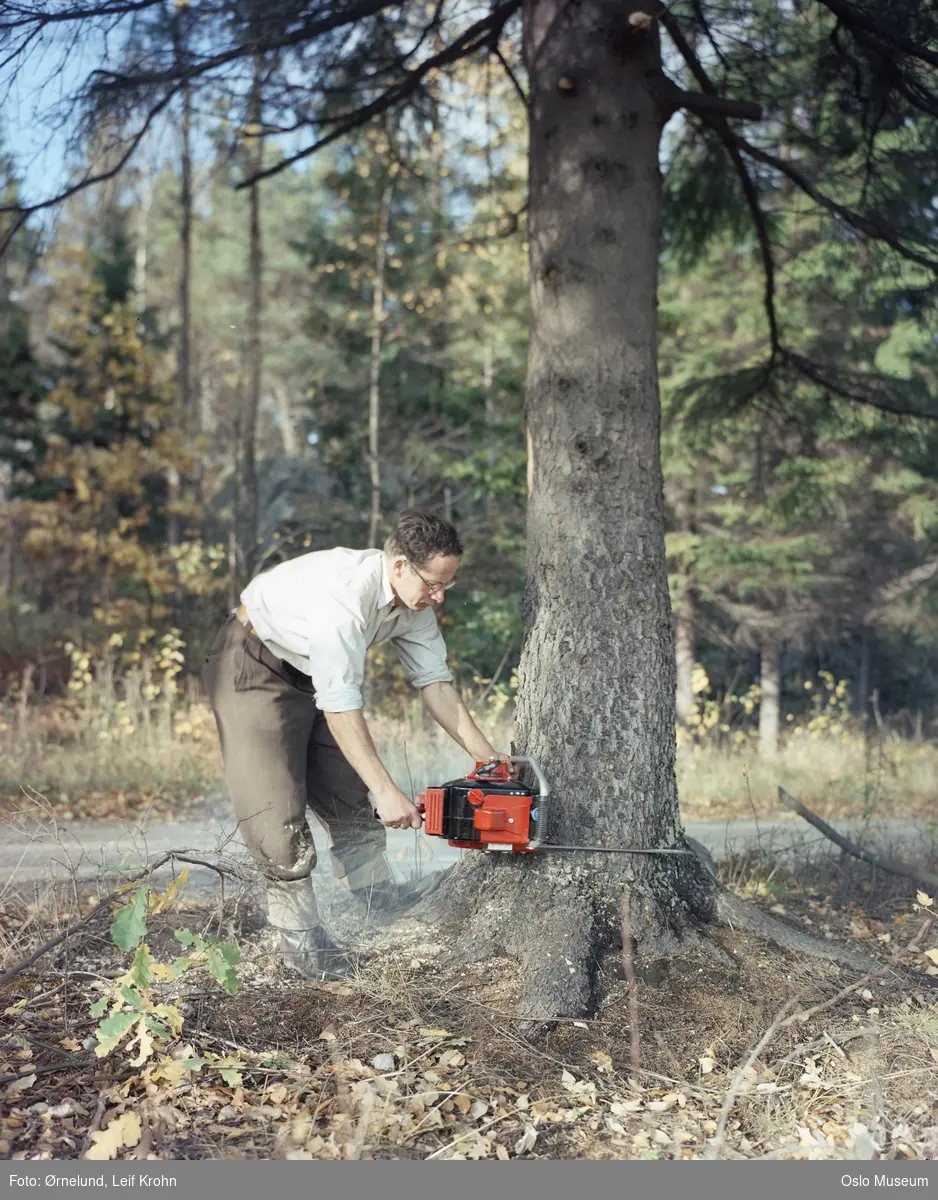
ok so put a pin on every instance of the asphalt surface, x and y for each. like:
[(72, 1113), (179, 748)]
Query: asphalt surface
[(36, 851)]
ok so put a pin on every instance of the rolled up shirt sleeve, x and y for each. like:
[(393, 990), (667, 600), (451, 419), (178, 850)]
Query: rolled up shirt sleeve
[(337, 655), (422, 651)]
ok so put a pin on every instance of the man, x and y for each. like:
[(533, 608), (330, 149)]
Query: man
[(284, 676)]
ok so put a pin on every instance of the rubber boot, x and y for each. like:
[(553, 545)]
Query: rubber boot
[(305, 946), (314, 954)]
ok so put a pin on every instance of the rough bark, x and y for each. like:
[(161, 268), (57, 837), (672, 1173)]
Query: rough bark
[(250, 517), (685, 617), (596, 702), (374, 366), (488, 384), (285, 420), (770, 702)]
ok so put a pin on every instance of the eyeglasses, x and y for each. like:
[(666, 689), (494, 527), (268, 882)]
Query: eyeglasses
[(431, 587)]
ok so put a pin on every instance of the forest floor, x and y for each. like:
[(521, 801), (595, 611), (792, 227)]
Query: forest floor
[(417, 1057)]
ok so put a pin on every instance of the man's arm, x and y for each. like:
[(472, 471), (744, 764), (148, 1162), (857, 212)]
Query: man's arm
[(446, 707), (354, 740)]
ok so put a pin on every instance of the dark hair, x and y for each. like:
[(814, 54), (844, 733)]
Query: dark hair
[(421, 536)]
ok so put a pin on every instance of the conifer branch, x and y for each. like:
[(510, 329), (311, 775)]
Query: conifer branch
[(871, 226), (874, 391), (853, 18), (522, 94), (483, 32), (707, 104), (750, 191), (24, 211), (269, 40)]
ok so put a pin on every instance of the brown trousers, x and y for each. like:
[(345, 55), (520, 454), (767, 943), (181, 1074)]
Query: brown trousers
[(281, 758)]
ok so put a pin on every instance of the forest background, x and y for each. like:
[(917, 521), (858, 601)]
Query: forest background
[(198, 379)]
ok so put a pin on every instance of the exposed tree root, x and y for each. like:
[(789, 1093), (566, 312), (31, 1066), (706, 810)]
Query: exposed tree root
[(737, 913), (561, 919)]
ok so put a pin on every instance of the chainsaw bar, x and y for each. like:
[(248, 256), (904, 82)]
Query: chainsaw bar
[(611, 849)]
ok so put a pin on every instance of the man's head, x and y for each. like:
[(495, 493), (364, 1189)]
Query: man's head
[(423, 553)]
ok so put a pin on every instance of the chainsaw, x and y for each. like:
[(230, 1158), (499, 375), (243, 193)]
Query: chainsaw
[(490, 810)]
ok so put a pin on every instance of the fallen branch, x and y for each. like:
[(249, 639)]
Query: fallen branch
[(73, 928), (892, 866), (103, 905)]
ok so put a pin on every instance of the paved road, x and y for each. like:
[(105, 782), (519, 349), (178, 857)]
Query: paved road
[(35, 851)]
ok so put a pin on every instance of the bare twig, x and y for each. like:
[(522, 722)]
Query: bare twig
[(472, 39), (893, 866), (101, 907), (516, 83), (730, 1098), (456, 1141), (781, 1022), (95, 1123), (71, 929)]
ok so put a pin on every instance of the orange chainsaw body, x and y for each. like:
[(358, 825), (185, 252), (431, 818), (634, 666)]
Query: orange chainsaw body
[(487, 810)]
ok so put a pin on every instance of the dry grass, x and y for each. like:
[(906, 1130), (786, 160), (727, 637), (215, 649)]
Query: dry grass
[(103, 754), (835, 775), (125, 738)]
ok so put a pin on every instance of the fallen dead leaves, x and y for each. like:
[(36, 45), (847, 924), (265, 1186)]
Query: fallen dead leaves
[(377, 1082), (102, 804)]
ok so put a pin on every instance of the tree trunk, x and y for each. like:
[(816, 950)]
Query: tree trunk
[(864, 682), (770, 703), (685, 618), (374, 366), (488, 383), (251, 505), (596, 701), (183, 373), (685, 652), (288, 434), (144, 205)]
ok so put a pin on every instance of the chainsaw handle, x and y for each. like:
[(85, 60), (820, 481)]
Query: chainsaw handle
[(542, 799)]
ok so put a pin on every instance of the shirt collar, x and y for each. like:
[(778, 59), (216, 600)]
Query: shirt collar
[(387, 592)]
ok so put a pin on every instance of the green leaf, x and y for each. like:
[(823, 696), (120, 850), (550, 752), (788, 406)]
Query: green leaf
[(157, 1027), (132, 997), (221, 959), (99, 1008), (178, 967), (230, 1076), (140, 975), (187, 937), (130, 924), (111, 1031), (193, 1064)]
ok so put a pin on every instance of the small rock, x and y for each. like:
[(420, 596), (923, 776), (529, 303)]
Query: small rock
[(38, 1109), (228, 1113), (383, 1062), (61, 1110)]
